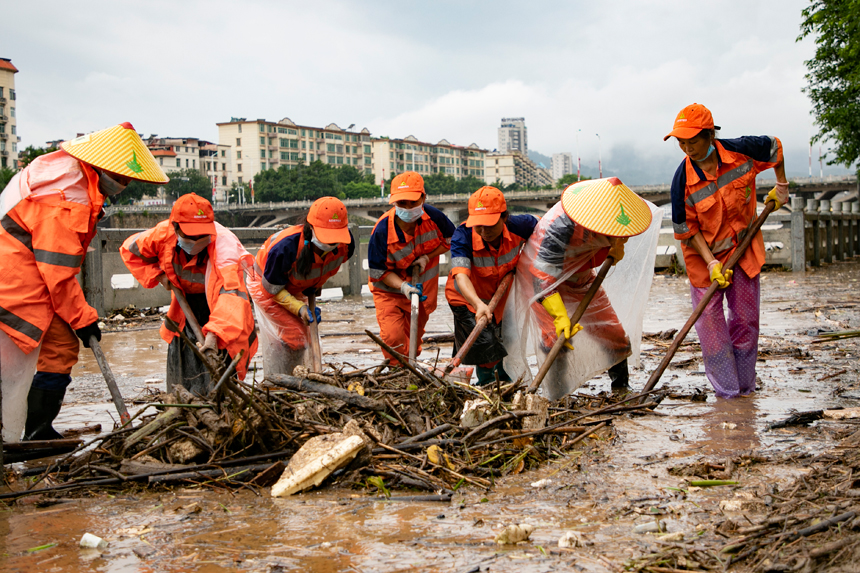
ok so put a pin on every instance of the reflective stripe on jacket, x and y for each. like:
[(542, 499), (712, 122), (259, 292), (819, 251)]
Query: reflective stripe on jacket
[(322, 269), (51, 210), (722, 207), (485, 267), (150, 253), (401, 254)]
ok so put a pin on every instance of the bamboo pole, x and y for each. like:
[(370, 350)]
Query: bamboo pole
[(115, 394), (314, 328), (413, 318)]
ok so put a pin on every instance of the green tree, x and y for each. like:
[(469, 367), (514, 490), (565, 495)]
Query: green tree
[(360, 190), (186, 181), (136, 191), (833, 81), (6, 174), (568, 179), (31, 153)]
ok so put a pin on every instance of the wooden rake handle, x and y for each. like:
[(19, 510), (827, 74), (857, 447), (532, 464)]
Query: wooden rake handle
[(504, 285)]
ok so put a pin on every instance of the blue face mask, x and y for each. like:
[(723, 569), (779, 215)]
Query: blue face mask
[(409, 215), (710, 150)]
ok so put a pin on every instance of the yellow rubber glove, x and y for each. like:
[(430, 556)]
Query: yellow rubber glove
[(555, 307), (779, 195), (289, 302), (616, 249), (715, 267)]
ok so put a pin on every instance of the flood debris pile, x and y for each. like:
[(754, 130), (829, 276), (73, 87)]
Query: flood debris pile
[(812, 524), (376, 428)]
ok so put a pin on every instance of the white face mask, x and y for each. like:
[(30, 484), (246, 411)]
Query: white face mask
[(109, 186), (193, 247), (409, 215), (325, 247)]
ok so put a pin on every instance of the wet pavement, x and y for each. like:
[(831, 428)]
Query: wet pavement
[(603, 490)]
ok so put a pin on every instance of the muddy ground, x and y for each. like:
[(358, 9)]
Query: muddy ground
[(616, 481)]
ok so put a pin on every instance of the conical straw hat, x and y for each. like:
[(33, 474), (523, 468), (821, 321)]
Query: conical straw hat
[(119, 150), (606, 206)]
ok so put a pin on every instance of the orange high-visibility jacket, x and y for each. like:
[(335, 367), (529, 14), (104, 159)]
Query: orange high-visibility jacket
[(722, 207), (387, 253), (48, 214), (485, 266), (150, 253), (323, 268)]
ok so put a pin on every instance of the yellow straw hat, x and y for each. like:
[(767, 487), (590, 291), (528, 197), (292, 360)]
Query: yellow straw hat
[(119, 150), (606, 206)]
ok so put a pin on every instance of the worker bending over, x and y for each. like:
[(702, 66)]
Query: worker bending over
[(410, 234), (591, 222), (713, 203), (291, 265), (48, 214), (192, 254), (483, 250)]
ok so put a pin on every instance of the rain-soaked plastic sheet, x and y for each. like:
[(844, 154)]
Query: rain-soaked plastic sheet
[(283, 337), (619, 304)]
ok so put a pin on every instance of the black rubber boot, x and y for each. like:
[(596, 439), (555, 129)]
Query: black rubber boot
[(485, 375), (42, 407), (620, 376)]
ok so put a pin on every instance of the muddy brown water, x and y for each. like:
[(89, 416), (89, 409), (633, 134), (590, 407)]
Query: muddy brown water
[(602, 490)]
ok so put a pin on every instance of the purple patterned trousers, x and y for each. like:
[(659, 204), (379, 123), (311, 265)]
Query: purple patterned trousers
[(730, 342)]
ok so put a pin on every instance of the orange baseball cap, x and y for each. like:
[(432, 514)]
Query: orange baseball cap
[(486, 205), (328, 218), (691, 120), (408, 186), (194, 215)]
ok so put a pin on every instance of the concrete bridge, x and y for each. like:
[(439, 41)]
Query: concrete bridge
[(835, 189)]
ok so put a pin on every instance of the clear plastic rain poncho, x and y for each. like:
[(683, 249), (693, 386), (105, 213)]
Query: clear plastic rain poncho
[(552, 261)]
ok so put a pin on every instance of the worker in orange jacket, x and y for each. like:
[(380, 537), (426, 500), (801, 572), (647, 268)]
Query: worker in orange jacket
[(713, 203), (48, 214), (411, 234), (483, 250), (292, 264), (592, 221), (193, 254)]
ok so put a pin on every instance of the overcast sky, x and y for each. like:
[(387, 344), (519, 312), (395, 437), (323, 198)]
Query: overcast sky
[(442, 69)]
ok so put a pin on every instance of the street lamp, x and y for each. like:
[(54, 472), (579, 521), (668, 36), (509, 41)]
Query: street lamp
[(599, 159), (578, 172)]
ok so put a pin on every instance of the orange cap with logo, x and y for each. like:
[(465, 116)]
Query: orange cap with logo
[(194, 215), (691, 120), (408, 186), (328, 218), (486, 205)]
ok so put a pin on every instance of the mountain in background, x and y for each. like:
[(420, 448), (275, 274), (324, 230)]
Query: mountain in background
[(540, 158)]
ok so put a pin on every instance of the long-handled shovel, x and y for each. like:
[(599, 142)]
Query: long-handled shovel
[(192, 321), (504, 285), (413, 318), (700, 308), (124, 418), (574, 318), (314, 328)]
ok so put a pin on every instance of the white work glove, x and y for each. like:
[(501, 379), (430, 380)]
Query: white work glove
[(421, 263)]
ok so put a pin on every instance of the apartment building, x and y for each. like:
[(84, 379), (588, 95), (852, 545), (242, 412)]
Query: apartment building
[(514, 136), (410, 154), (562, 164), (210, 159), (257, 145), (514, 167), (8, 124)]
